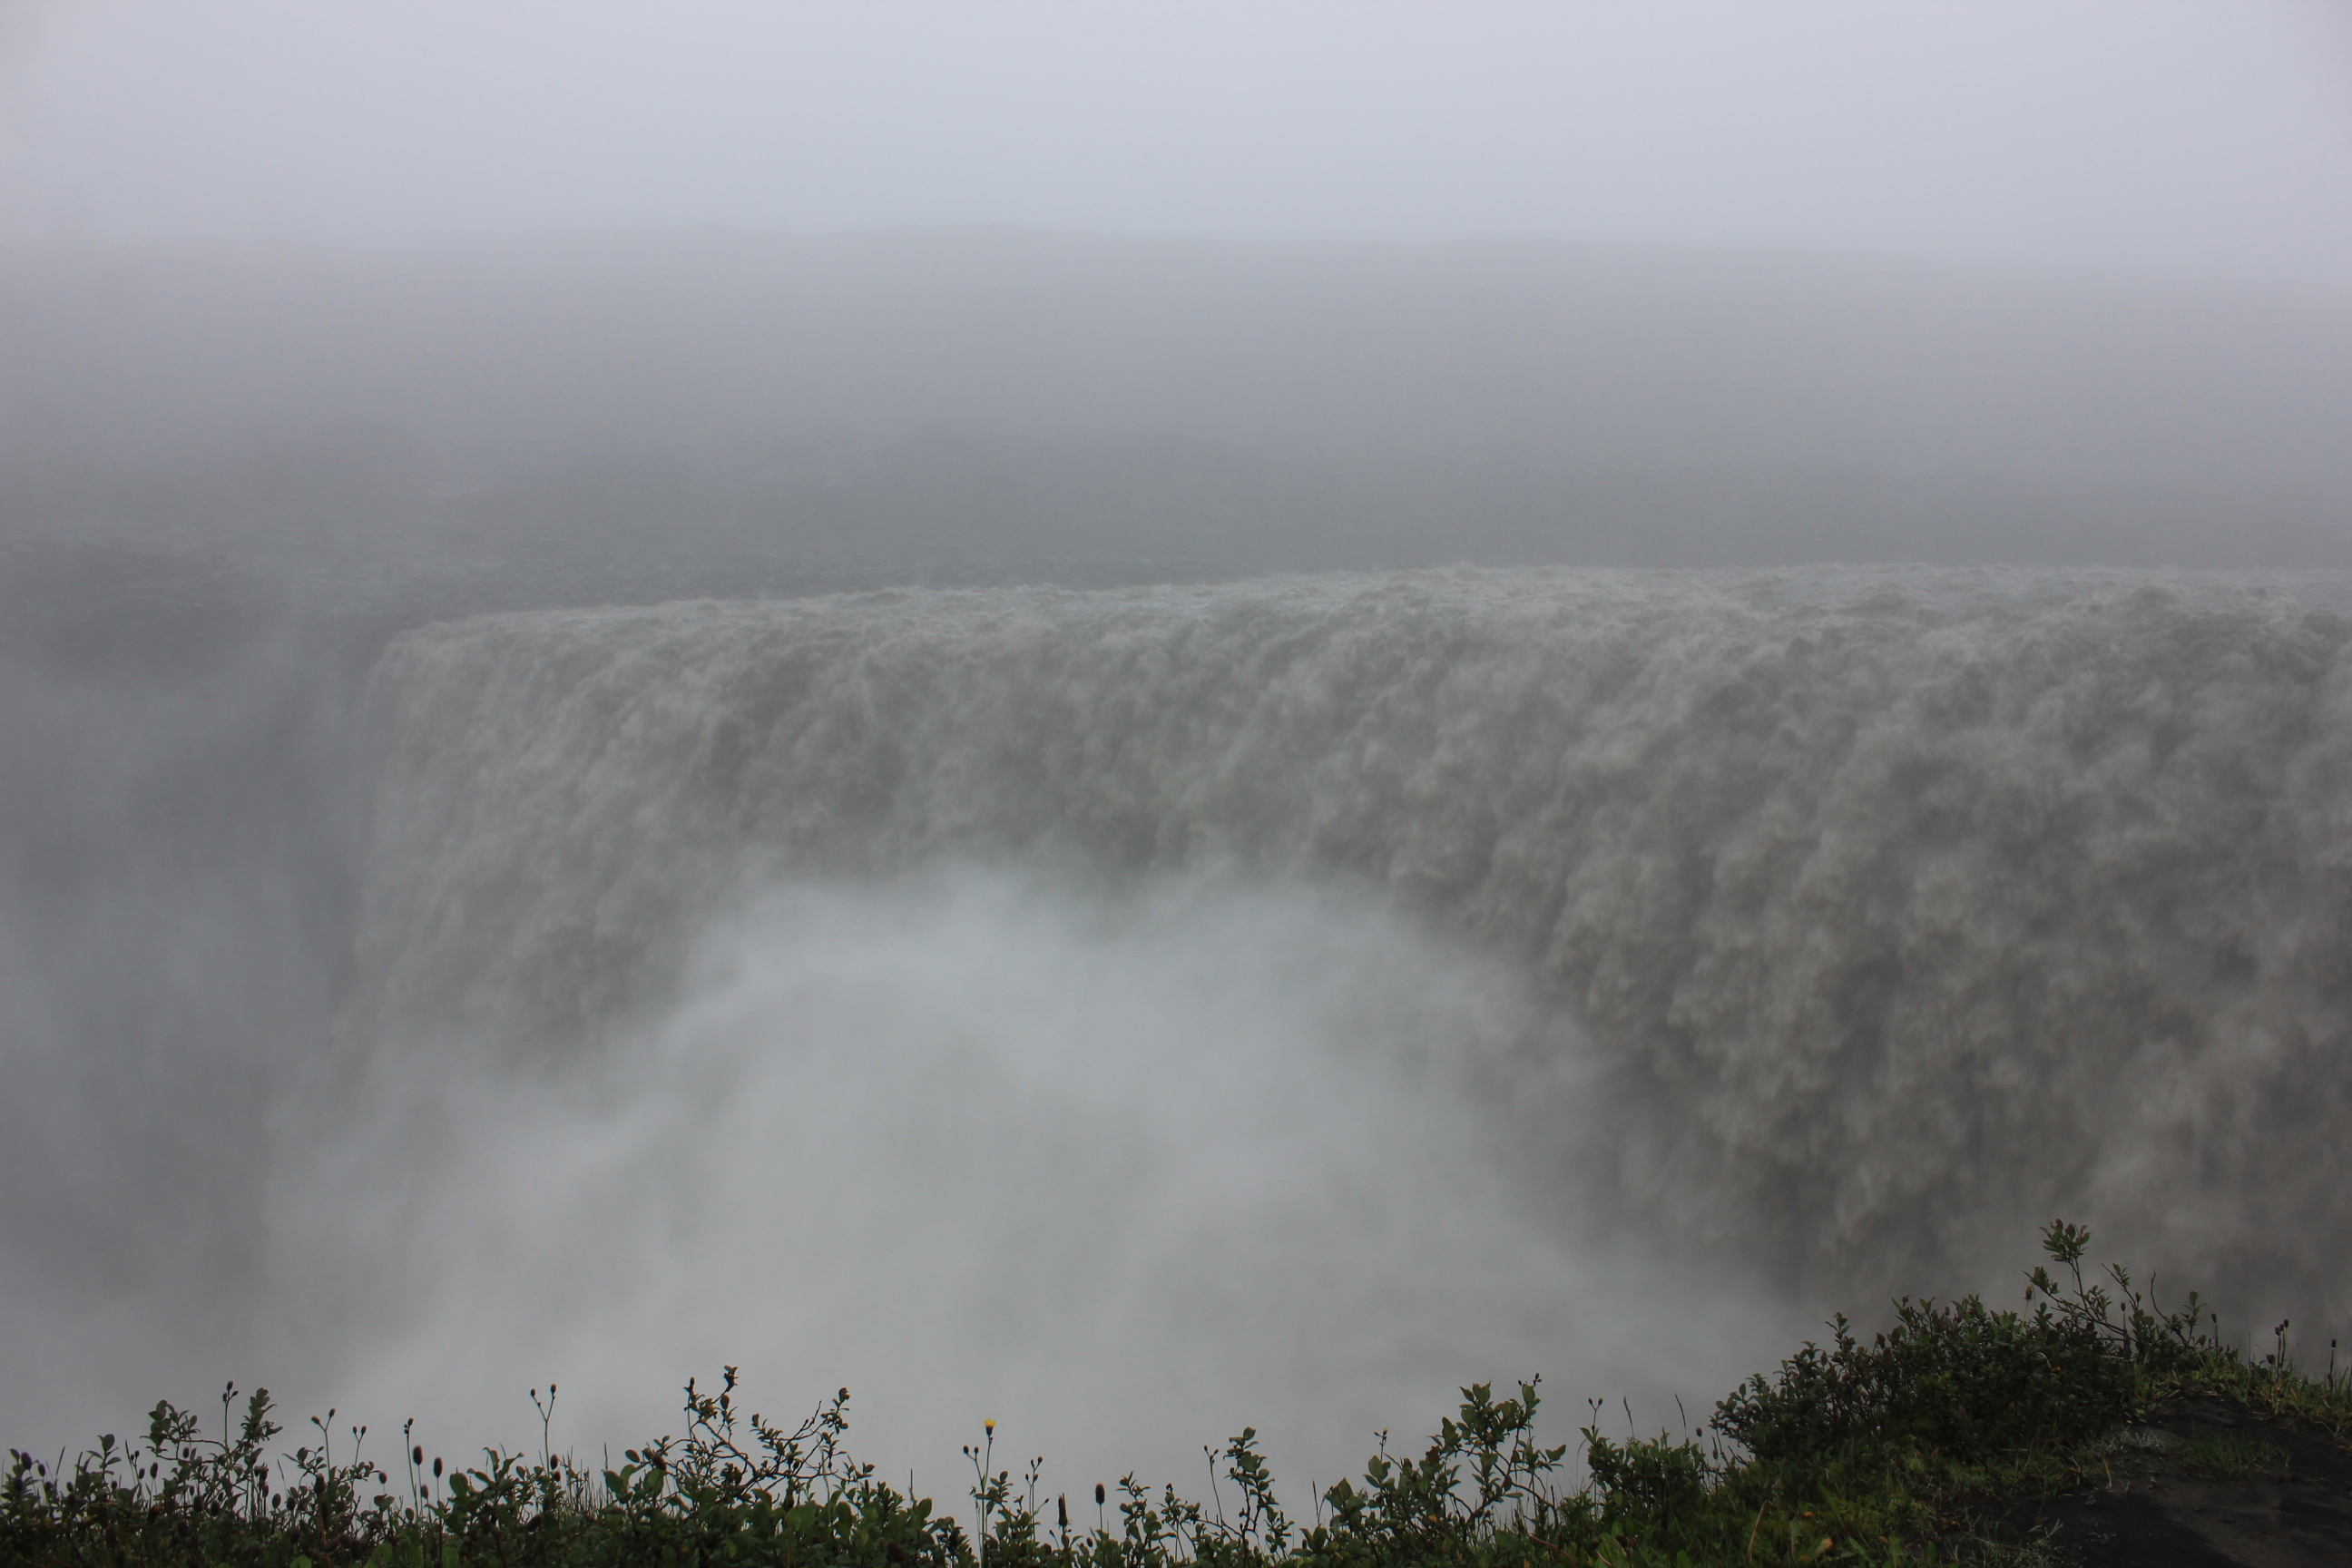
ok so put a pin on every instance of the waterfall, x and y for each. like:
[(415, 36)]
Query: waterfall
[(1903, 909)]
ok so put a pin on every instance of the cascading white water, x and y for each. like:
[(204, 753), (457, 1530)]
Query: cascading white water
[(1902, 909)]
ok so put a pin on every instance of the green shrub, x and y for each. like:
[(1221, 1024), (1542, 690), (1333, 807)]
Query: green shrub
[(1967, 1381), (1645, 1486), (1852, 1453), (1960, 1379)]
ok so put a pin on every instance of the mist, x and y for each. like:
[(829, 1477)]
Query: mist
[(1226, 725), (1118, 1170), (985, 399)]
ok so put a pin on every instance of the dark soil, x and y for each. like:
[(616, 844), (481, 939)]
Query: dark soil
[(2282, 1500)]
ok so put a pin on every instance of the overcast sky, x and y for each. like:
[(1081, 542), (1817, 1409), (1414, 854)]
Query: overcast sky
[(2209, 139)]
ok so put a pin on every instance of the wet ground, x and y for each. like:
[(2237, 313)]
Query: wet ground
[(2205, 1485)]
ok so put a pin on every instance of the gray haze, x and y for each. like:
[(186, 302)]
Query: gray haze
[(2191, 139), (1448, 693), (994, 398)]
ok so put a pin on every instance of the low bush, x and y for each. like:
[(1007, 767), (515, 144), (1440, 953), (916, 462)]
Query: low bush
[(1857, 1454)]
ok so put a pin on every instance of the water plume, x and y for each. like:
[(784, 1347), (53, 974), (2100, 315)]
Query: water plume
[(1127, 1169)]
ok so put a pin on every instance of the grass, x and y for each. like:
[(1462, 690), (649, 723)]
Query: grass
[(1884, 1453), (2229, 1456)]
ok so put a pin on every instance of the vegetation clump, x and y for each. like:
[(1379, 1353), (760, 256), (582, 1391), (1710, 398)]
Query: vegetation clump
[(1854, 1453), (1963, 1379)]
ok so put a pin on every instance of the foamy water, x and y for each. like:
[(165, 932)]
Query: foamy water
[(1916, 907)]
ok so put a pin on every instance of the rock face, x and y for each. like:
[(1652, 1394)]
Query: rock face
[(2206, 1485), (1918, 905)]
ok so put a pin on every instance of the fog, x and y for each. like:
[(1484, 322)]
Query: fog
[(1149, 724), (991, 397), (2184, 139)]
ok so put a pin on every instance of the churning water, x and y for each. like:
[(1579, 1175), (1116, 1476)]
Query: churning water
[(1131, 1014), (1913, 914)]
